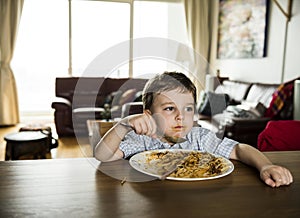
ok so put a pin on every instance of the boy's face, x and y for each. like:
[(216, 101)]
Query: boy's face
[(173, 112)]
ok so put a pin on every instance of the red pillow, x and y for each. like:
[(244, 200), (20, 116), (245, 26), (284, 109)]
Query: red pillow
[(281, 135)]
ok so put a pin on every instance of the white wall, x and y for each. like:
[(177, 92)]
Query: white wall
[(276, 66), (292, 61)]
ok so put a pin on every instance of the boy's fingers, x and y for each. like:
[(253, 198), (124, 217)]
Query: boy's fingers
[(154, 135), (138, 128), (270, 182), (144, 124), (288, 178), (267, 179), (277, 176), (152, 124), (282, 176), (144, 127)]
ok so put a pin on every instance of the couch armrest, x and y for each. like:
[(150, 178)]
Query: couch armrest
[(63, 117), (132, 108), (61, 103)]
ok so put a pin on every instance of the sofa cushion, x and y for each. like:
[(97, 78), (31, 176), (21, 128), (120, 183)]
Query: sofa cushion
[(117, 96), (127, 96), (261, 93), (236, 90)]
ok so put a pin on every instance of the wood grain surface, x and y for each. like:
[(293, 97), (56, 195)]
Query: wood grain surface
[(82, 187)]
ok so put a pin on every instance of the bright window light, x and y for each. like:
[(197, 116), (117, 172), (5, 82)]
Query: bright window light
[(95, 29), (41, 53), (42, 47)]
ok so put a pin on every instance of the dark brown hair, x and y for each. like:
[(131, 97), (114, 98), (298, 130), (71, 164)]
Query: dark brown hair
[(167, 81)]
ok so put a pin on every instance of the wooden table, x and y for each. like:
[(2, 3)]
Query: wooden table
[(77, 188)]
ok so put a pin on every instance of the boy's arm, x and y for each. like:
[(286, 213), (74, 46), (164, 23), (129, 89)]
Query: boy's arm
[(272, 175), (108, 147)]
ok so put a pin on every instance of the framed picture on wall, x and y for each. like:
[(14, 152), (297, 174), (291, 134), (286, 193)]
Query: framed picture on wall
[(242, 30)]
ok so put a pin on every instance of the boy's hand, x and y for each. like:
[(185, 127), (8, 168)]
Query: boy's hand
[(276, 176), (143, 124)]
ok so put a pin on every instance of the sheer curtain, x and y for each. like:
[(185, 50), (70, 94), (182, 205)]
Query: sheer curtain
[(198, 21), (10, 14)]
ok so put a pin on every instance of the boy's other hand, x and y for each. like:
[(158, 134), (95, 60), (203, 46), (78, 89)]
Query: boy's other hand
[(276, 176)]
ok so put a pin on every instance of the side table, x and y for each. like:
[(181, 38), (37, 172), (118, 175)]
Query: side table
[(25, 144)]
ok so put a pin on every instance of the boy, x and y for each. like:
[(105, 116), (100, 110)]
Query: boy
[(169, 105)]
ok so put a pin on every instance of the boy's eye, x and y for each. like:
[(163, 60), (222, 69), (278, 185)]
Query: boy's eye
[(169, 108), (189, 109)]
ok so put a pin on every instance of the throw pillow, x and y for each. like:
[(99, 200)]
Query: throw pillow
[(280, 135), (116, 96), (213, 103), (281, 102), (127, 96)]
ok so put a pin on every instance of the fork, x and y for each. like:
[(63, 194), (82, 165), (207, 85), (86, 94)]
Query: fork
[(168, 138)]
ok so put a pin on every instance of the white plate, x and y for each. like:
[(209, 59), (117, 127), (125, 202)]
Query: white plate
[(140, 162)]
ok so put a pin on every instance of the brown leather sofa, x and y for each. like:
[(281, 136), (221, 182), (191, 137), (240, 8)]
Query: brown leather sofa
[(81, 98), (248, 108)]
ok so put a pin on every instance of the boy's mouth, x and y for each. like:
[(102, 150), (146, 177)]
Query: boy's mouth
[(178, 131), (178, 128), (176, 134)]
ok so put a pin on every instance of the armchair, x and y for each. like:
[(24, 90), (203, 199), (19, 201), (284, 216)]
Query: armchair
[(79, 99)]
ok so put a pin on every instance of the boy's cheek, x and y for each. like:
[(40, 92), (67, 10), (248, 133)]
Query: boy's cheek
[(160, 121), (189, 128)]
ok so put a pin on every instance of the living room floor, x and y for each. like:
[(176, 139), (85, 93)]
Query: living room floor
[(68, 147)]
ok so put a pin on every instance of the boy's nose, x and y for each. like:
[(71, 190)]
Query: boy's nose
[(179, 116)]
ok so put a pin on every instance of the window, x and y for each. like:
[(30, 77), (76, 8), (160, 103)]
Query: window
[(41, 53), (42, 47), (97, 26), (158, 19)]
